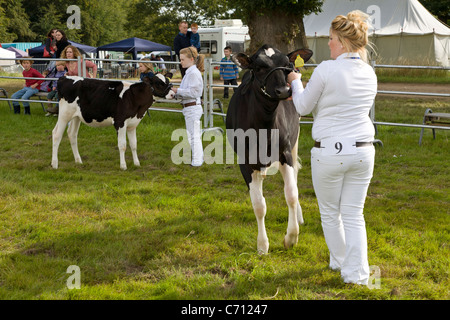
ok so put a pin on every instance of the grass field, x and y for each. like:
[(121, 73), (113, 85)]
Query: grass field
[(166, 231)]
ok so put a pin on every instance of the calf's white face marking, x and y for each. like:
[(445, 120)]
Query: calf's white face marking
[(269, 52), (161, 77)]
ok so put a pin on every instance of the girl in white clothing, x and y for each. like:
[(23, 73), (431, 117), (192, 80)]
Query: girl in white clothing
[(340, 95), (190, 91)]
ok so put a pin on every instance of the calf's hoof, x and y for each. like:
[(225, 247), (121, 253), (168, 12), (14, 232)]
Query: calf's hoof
[(263, 247), (290, 241)]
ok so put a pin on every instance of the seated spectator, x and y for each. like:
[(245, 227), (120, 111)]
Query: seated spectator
[(146, 68), (30, 88), (50, 86), (60, 44), (71, 52)]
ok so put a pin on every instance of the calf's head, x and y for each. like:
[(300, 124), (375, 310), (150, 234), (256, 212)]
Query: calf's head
[(269, 68), (161, 85)]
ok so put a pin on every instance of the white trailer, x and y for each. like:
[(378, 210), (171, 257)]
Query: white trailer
[(224, 33)]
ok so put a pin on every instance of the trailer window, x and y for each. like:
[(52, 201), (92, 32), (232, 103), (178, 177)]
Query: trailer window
[(236, 46), (208, 46)]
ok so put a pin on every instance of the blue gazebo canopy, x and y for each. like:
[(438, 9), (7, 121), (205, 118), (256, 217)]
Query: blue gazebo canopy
[(135, 45)]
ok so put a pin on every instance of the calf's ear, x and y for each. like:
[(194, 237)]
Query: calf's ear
[(306, 54), (242, 60)]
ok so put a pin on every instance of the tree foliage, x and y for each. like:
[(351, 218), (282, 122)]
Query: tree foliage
[(157, 20), (287, 33), (17, 22), (107, 21)]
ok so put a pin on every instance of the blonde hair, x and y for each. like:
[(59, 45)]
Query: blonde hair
[(353, 32), (60, 63), (76, 52), (191, 52), (148, 65)]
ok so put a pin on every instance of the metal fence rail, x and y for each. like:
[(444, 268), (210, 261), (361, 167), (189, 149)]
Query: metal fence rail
[(208, 79), (211, 85)]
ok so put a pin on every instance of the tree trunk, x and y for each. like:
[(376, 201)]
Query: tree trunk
[(282, 30)]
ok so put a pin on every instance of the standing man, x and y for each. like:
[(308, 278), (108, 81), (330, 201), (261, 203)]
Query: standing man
[(181, 41), (229, 73)]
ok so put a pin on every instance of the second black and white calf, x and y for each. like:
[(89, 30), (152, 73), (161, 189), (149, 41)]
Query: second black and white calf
[(100, 103)]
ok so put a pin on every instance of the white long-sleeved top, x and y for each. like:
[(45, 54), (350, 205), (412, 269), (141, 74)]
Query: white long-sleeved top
[(191, 87), (340, 95)]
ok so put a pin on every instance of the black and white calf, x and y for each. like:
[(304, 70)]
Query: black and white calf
[(259, 105), (100, 103)]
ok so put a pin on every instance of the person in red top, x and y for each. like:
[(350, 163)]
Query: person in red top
[(30, 88)]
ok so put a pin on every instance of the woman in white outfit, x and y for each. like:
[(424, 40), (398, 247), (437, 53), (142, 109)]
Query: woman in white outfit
[(190, 91), (340, 95)]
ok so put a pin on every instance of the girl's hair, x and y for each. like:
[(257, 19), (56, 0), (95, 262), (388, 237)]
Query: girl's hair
[(64, 37), (199, 59), (353, 32), (76, 52), (49, 34), (146, 64)]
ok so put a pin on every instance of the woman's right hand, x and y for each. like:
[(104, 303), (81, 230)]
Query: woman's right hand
[(293, 76)]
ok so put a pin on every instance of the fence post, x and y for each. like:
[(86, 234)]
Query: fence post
[(205, 94), (79, 65), (211, 94), (83, 66)]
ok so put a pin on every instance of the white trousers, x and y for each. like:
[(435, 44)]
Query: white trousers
[(192, 116), (341, 184)]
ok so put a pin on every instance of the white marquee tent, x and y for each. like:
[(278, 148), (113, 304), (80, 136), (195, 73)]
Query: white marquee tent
[(403, 31), (7, 54)]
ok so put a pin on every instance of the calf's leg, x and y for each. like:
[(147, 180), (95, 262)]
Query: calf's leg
[(259, 207), (132, 140), (291, 194), (72, 132), (57, 135), (122, 144)]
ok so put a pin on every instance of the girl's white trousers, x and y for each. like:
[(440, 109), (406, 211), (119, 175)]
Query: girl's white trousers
[(192, 116), (341, 183)]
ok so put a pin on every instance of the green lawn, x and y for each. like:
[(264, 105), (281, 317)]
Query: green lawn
[(166, 231)]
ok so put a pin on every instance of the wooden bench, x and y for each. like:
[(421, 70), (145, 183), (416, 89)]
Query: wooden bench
[(439, 119)]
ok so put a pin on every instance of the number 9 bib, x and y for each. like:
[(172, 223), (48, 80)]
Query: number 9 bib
[(338, 146)]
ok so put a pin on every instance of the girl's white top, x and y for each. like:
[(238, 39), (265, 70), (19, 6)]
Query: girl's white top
[(340, 95), (191, 87)]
